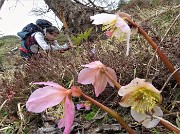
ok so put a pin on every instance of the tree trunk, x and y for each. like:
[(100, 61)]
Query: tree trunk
[(1, 3), (76, 15)]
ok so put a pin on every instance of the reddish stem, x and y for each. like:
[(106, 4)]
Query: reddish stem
[(170, 127), (112, 113), (162, 56)]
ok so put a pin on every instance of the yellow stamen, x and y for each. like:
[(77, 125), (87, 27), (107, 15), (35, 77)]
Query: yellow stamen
[(144, 100), (109, 25)]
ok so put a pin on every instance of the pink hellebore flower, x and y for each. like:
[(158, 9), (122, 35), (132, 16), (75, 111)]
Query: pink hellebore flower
[(115, 25), (94, 75), (51, 95), (143, 97)]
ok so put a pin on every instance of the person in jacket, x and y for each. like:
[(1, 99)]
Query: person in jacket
[(46, 40)]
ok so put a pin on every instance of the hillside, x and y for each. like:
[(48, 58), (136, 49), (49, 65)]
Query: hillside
[(159, 18)]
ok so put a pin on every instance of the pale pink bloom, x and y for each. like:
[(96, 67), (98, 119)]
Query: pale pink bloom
[(102, 18), (147, 120), (51, 95), (143, 97), (114, 23), (67, 120), (94, 75)]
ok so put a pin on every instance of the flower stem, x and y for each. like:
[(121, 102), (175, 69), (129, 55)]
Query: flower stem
[(168, 125), (112, 113), (111, 79), (162, 56)]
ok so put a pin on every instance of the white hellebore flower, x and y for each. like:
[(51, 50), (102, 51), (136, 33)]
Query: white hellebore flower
[(143, 97), (114, 25)]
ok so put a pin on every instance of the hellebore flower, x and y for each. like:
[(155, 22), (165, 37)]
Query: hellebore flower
[(114, 25), (95, 75), (51, 95), (142, 96)]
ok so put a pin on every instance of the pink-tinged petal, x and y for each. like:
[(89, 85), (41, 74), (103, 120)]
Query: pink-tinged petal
[(149, 123), (128, 34), (87, 75), (43, 98), (50, 83), (133, 85), (157, 111), (136, 84), (102, 18), (139, 117), (112, 73), (69, 112), (126, 89), (125, 100), (147, 120), (100, 83), (94, 64), (122, 25)]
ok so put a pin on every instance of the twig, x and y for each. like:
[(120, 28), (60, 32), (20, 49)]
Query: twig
[(3, 104), (169, 79), (169, 28)]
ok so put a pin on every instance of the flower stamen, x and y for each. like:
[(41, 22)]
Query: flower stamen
[(143, 100)]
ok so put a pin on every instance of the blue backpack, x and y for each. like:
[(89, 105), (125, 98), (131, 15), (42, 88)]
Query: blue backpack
[(26, 40)]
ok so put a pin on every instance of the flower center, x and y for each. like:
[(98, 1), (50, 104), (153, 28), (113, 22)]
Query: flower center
[(109, 26), (144, 100)]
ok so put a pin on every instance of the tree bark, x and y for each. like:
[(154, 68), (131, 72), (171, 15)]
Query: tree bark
[(1, 3), (76, 15)]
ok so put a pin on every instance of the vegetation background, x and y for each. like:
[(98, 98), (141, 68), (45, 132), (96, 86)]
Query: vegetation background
[(159, 18)]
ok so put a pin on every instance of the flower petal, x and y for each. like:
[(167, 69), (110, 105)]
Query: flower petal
[(135, 84), (50, 83), (94, 64), (139, 117), (147, 120), (125, 100), (43, 98), (148, 123), (102, 18), (112, 73), (87, 75), (128, 34), (122, 25), (69, 113), (100, 82)]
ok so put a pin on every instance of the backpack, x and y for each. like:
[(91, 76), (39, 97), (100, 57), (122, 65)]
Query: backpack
[(26, 39)]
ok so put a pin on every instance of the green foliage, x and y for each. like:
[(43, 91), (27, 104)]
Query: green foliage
[(90, 115), (2, 43), (178, 121), (155, 131), (81, 36)]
